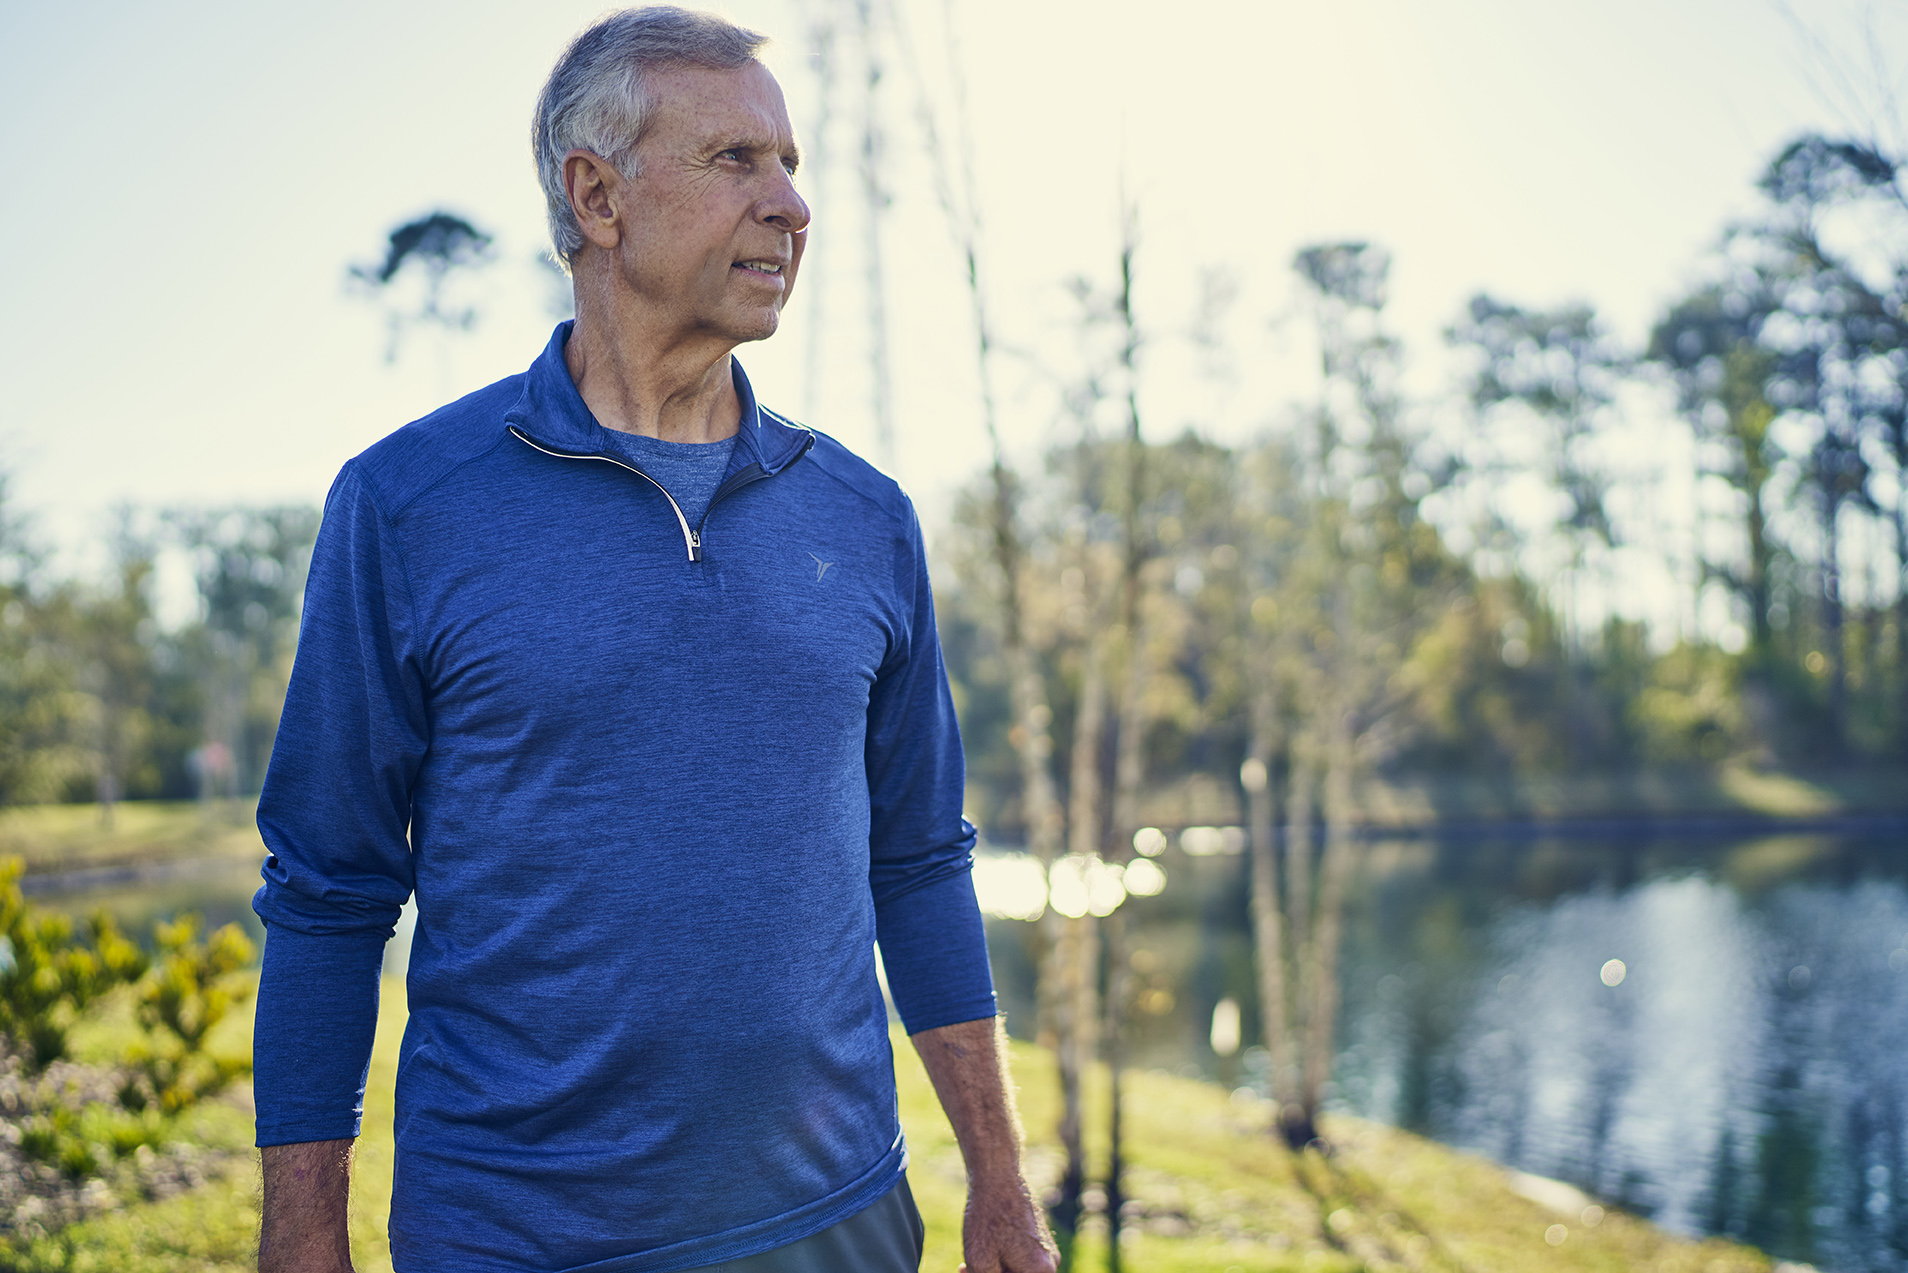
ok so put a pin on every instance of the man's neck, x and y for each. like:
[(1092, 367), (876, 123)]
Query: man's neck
[(678, 395)]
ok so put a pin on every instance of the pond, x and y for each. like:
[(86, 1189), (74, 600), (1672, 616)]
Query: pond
[(1709, 1032)]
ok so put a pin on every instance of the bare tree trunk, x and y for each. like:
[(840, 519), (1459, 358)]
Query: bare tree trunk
[(108, 793), (1089, 730), (1267, 916), (1130, 768), (1118, 988), (1298, 844), (1295, 1123), (1334, 880), (957, 188), (1073, 966), (1129, 772), (1834, 639)]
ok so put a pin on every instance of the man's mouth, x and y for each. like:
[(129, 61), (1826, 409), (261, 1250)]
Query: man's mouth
[(773, 268)]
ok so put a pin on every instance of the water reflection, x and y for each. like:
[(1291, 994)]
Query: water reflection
[(1712, 1038), (1711, 1033), (219, 889)]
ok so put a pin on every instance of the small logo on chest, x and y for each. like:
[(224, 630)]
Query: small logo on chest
[(821, 567)]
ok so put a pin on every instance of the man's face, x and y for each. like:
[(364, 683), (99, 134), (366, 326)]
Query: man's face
[(714, 229)]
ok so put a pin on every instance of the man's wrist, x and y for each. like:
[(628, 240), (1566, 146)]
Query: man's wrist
[(994, 1168), (304, 1225)]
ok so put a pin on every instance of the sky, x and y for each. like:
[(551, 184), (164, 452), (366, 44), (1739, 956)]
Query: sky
[(183, 186)]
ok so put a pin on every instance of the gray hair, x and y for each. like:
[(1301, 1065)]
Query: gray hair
[(596, 98)]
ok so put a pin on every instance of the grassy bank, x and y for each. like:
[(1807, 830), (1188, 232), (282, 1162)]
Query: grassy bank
[(1727, 792), (1214, 1195), (74, 837), (1668, 794)]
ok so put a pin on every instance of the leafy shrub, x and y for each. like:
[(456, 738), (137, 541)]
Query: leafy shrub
[(86, 1141), (46, 977), (49, 976), (191, 988)]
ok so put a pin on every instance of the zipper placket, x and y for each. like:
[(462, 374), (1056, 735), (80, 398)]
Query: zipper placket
[(691, 536)]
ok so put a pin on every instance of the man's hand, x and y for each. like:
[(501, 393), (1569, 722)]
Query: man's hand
[(304, 1229), (1004, 1230)]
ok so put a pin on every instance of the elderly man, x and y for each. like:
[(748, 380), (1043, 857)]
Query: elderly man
[(634, 684)]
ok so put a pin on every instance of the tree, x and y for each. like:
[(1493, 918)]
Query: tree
[(1709, 343), (1819, 359), (1792, 366), (251, 566), (117, 632), (40, 708), (1365, 579), (1042, 818), (434, 249), (1559, 371)]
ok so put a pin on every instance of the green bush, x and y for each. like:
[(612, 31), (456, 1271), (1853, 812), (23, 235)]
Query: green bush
[(191, 988), (47, 978), (88, 1140)]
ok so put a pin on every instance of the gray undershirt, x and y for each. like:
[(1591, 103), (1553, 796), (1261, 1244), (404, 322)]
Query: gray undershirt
[(689, 471)]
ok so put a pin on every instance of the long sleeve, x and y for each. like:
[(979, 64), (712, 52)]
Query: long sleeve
[(334, 816), (927, 921)]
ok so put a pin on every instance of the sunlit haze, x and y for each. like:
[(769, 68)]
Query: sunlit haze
[(186, 185)]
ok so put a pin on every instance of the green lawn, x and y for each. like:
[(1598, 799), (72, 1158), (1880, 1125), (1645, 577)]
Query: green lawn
[(1217, 1195), (1727, 791), (70, 837)]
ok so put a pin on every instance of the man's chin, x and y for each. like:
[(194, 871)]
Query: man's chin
[(760, 327)]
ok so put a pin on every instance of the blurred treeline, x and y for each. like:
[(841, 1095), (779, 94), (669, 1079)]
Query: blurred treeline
[(99, 702), (1382, 585), (1379, 584)]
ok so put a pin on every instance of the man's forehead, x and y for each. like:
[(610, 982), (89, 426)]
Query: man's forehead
[(743, 104)]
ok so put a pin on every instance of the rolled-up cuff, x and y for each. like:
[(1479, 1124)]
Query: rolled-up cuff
[(934, 949), (311, 1045)]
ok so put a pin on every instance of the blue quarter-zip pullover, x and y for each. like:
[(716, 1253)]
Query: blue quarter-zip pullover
[(658, 787)]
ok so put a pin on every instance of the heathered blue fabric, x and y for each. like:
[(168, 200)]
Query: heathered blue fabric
[(689, 471), (656, 813)]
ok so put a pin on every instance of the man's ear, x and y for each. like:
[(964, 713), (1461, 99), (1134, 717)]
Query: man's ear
[(595, 190)]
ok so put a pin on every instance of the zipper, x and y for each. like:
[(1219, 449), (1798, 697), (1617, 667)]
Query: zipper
[(691, 538)]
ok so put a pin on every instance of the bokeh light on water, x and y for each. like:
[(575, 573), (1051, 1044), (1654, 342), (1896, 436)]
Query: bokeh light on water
[(1740, 1068), (1712, 1034)]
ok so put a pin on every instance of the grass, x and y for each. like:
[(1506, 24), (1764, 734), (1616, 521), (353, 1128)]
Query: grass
[(69, 837), (1669, 792), (1728, 791), (1215, 1193)]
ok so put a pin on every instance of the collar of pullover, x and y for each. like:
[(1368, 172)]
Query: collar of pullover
[(552, 413)]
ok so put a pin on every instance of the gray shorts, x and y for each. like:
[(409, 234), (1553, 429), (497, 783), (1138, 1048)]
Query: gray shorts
[(885, 1237)]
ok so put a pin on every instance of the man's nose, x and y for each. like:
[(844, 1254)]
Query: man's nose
[(783, 208)]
